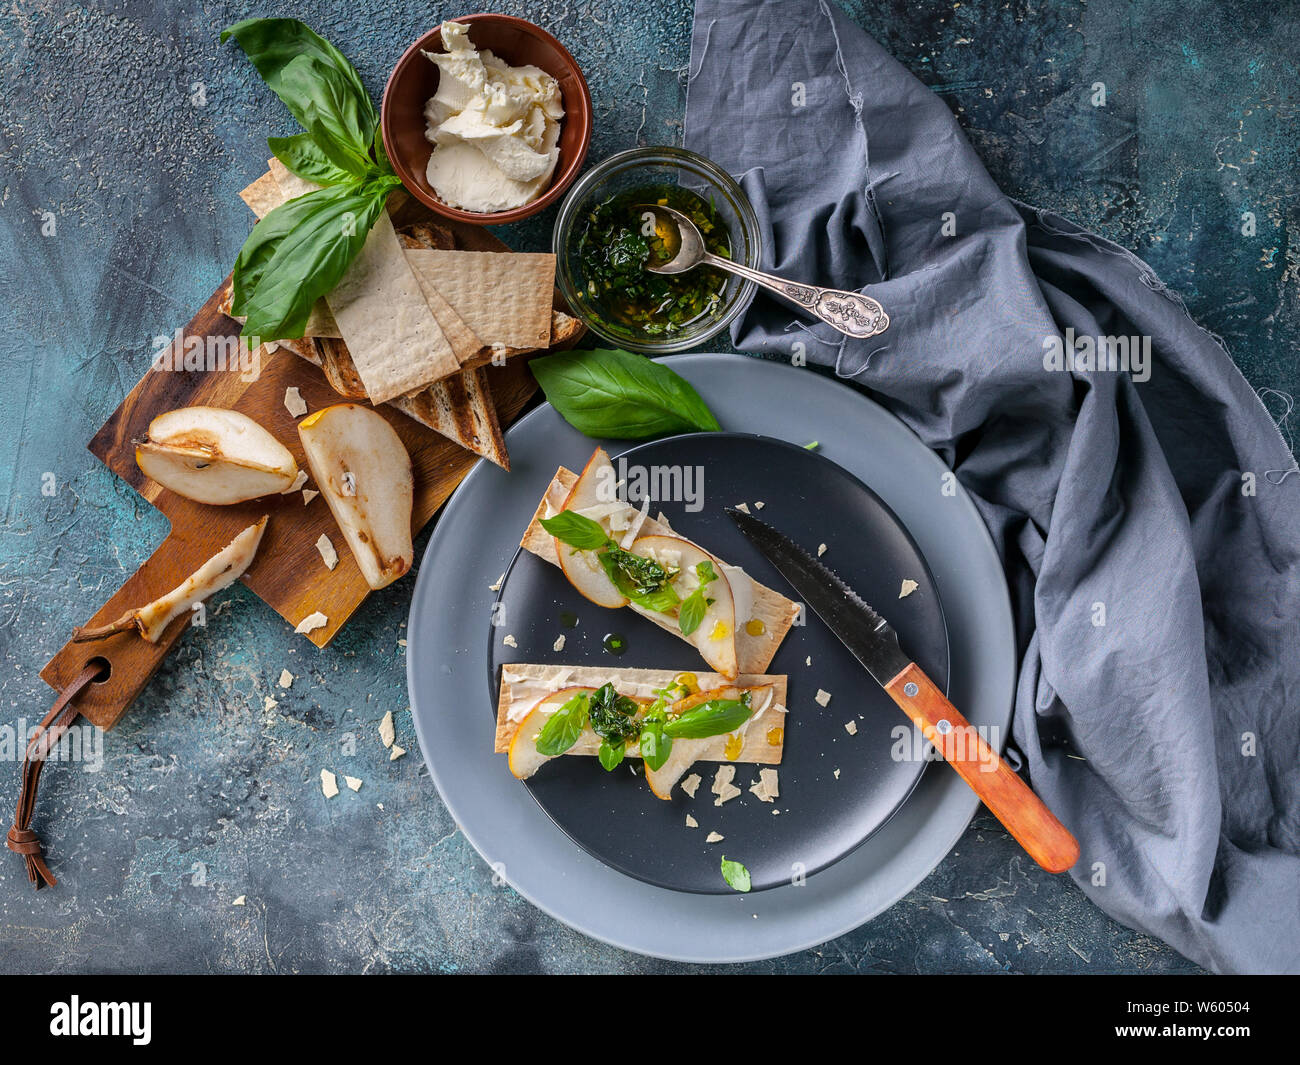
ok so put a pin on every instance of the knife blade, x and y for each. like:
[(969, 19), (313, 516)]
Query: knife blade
[(874, 643)]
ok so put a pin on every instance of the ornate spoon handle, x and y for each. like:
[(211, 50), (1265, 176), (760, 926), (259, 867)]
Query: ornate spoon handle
[(852, 313)]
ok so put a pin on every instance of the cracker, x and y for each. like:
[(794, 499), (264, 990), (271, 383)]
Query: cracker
[(464, 342), (517, 678), (753, 653), (395, 342), (503, 297), (380, 310)]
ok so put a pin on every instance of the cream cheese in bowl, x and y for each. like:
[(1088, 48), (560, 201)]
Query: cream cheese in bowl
[(495, 128)]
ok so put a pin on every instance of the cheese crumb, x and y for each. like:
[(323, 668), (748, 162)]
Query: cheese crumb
[(808, 661), (353, 782), (293, 401), (396, 753), (312, 622), (497, 587), (759, 504), (822, 697), (558, 645), (327, 553), (723, 787), (714, 837), (387, 730), (286, 678), (329, 783), (743, 507), (837, 774), (510, 641), (821, 550), (851, 727), (909, 586), (268, 704), (691, 822), (308, 494), (298, 482), (241, 901), (766, 787), (691, 784)]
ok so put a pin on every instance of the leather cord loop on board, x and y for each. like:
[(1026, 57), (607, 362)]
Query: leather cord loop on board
[(22, 840)]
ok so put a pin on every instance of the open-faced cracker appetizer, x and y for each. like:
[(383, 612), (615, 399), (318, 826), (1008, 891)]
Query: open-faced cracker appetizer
[(617, 555), (667, 719)]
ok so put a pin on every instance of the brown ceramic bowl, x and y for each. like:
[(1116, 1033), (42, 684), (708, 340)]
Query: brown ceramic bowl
[(415, 79)]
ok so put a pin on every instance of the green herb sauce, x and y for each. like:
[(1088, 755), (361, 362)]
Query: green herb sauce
[(615, 248)]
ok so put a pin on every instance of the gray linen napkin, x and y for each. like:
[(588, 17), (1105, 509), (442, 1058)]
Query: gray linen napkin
[(1148, 520)]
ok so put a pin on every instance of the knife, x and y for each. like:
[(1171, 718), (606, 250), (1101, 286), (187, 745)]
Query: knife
[(874, 643)]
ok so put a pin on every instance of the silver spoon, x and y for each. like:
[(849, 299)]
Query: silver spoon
[(852, 313)]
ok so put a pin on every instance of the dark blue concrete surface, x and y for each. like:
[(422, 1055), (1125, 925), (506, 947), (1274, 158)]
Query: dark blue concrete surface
[(129, 126)]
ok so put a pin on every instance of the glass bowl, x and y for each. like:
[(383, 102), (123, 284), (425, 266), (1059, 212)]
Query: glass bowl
[(659, 165)]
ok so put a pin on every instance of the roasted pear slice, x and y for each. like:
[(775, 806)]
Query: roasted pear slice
[(582, 568), (213, 455), (218, 572), (715, 634), (364, 472)]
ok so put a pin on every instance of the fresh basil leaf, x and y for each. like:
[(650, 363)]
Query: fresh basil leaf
[(656, 745), (576, 530), (610, 755), (301, 155), (704, 570), (714, 718), (272, 44), (736, 875), (662, 600), (339, 121), (380, 153), (309, 259), (694, 607), (563, 728), (614, 393), (262, 243)]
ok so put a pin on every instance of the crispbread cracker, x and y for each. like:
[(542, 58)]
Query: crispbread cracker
[(753, 653), (505, 298), (263, 196), (395, 341), (757, 748), (464, 342)]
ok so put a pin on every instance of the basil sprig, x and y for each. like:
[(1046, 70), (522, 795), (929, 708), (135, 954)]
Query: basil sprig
[(563, 728), (615, 394), (614, 719), (301, 249), (696, 605), (640, 579)]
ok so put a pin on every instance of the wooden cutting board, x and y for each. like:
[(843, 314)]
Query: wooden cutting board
[(288, 572)]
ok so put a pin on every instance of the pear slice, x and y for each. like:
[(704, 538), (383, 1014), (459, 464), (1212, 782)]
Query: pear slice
[(715, 637), (218, 572), (686, 752), (582, 568), (213, 455), (525, 758), (364, 472)]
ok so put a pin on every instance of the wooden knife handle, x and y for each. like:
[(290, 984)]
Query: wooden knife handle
[(1022, 812)]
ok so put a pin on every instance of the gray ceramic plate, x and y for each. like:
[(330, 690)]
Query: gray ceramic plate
[(474, 542)]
